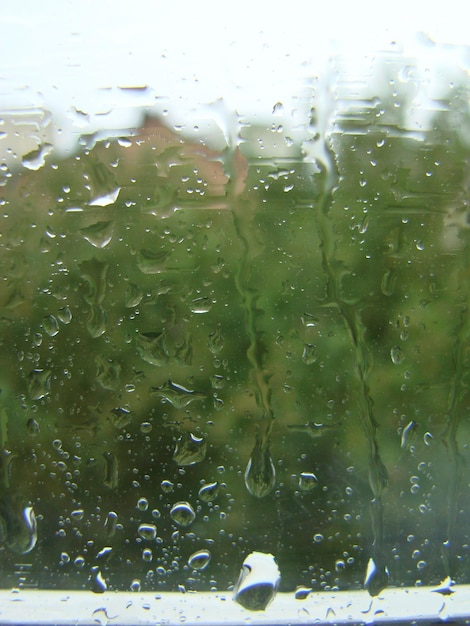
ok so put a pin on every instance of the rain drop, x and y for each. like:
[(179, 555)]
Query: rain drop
[(199, 560), (397, 356), (182, 513), (148, 532), (176, 394), (307, 481), (190, 450), (209, 492), (99, 234), (50, 325)]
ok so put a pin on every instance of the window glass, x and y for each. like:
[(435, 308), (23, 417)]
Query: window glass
[(234, 308)]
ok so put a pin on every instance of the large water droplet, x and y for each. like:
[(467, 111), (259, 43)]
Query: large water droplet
[(37, 158), (150, 262), (307, 481), (148, 532), (199, 560), (152, 348), (216, 341), (377, 577), (201, 305), (98, 583), (309, 354), (98, 234), (105, 199), (96, 321), (50, 325), (190, 450), (133, 295), (94, 272), (258, 581), (110, 523), (64, 315), (18, 527), (108, 373), (176, 394), (408, 434), (209, 492), (397, 355), (182, 513), (39, 384)]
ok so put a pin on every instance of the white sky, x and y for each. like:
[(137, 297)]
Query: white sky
[(60, 54)]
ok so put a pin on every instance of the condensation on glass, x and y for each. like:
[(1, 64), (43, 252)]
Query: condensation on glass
[(260, 349)]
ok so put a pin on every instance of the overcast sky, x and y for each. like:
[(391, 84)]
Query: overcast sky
[(62, 54)]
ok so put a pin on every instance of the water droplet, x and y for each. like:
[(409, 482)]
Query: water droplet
[(105, 199), (182, 513), (111, 470), (312, 429), (108, 372), (94, 272), (142, 504), (98, 583), (135, 585), (110, 523), (216, 341), (133, 295), (77, 514), (397, 356), (307, 481), (199, 560), (260, 474), (377, 577), (201, 305), (309, 320), (427, 437), (318, 538), (147, 555), (37, 158), (309, 354), (167, 486), (408, 434), (217, 381), (340, 565), (209, 492), (39, 384), (177, 395), (104, 553), (150, 262), (258, 581), (50, 325), (96, 321), (301, 593), (33, 427), (388, 282), (146, 428), (190, 450), (148, 532), (64, 315), (152, 348), (18, 527), (98, 234)]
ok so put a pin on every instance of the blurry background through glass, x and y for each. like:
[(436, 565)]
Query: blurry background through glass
[(234, 296)]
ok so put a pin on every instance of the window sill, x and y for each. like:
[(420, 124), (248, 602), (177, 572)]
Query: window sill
[(397, 606)]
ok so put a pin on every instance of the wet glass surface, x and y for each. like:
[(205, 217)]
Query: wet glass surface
[(256, 344)]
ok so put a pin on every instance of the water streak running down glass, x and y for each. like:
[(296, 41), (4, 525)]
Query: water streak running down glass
[(251, 342)]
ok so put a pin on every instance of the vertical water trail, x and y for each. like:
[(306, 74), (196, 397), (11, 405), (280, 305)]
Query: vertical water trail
[(377, 574), (260, 472), (461, 349)]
